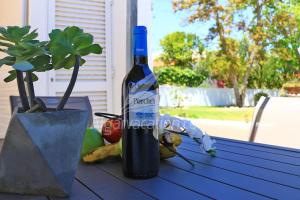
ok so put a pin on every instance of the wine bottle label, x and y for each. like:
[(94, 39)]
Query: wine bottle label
[(143, 109)]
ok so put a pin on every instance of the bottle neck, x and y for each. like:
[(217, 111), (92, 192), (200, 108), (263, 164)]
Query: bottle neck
[(140, 60), (140, 50)]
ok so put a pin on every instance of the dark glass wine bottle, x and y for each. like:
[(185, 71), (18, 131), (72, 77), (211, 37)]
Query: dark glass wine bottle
[(140, 114)]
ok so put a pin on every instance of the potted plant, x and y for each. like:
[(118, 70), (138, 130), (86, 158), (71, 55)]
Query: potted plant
[(42, 146)]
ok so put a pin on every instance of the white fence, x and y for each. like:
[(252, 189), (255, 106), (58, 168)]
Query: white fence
[(171, 96)]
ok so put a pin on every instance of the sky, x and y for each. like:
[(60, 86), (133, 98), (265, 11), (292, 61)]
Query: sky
[(165, 21)]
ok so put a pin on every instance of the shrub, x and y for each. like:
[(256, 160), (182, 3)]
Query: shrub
[(178, 76), (294, 83), (258, 95), (292, 87)]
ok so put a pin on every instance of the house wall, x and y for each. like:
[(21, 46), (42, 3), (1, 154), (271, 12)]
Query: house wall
[(10, 14), (145, 19), (119, 59), (119, 40), (40, 8)]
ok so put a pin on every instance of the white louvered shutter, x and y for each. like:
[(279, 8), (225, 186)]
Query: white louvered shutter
[(94, 77)]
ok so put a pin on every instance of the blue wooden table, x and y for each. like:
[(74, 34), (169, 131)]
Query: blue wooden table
[(241, 170)]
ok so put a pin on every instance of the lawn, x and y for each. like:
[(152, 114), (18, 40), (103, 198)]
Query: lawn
[(216, 113)]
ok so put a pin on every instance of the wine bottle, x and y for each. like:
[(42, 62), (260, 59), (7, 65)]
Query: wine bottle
[(140, 145)]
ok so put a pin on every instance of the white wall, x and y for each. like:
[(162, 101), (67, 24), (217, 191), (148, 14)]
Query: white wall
[(119, 8), (145, 19), (119, 38), (206, 96), (10, 14), (40, 8)]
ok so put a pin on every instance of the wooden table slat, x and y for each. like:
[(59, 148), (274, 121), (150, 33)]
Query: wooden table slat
[(259, 148), (267, 156), (260, 154), (259, 162), (210, 187), (253, 153), (158, 187), (239, 181), (290, 151), (244, 169), (254, 147), (107, 186)]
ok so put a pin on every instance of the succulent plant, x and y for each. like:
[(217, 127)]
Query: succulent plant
[(24, 53)]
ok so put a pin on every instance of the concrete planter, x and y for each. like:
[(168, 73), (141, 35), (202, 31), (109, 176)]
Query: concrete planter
[(41, 152)]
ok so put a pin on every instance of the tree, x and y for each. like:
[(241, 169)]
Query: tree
[(221, 14), (178, 76), (277, 29), (221, 68), (181, 49), (228, 17), (272, 74), (285, 33)]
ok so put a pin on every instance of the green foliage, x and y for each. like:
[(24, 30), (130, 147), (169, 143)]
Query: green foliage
[(15, 34), (294, 83), (65, 45), (181, 49), (258, 95), (221, 68), (25, 53), (12, 76), (271, 74), (178, 76), (9, 60), (285, 33), (20, 46)]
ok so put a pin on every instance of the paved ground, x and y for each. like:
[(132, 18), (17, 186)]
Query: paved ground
[(228, 129)]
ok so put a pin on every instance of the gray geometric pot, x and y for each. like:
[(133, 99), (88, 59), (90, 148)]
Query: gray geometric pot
[(41, 152)]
